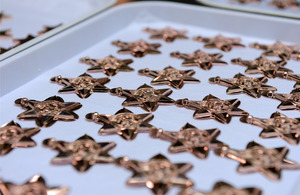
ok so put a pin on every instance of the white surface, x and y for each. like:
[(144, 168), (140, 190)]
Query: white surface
[(93, 38), (263, 7), (29, 17)]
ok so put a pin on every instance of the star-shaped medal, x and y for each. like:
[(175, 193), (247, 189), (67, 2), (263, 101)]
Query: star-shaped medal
[(13, 136), (47, 28), (124, 123), (223, 188), (83, 86), (157, 174), (257, 158), (82, 153), (278, 125), (47, 112), (212, 107), (109, 65), (283, 4), (5, 34), (137, 49), (242, 84), (288, 101), (145, 97), (3, 17), (21, 41), (264, 66), (190, 139), (167, 34), (199, 58), (170, 76), (36, 185), (221, 42), (280, 50)]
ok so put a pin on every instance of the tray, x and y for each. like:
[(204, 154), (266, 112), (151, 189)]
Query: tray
[(59, 55), (29, 17), (262, 8)]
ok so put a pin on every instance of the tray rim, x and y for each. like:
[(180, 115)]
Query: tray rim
[(55, 31), (30, 52), (249, 9)]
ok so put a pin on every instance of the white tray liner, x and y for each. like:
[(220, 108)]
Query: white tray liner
[(109, 179)]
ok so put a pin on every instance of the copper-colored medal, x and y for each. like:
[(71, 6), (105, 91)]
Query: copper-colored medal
[(223, 188), (278, 125), (82, 153), (138, 48), (264, 66), (283, 4), (47, 112), (36, 185), (170, 76), (242, 84), (190, 139), (280, 50), (84, 85), (12, 136), (289, 101), (157, 174), (212, 107), (257, 158), (167, 34), (200, 58), (124, 123), (221, 42), (109, 65), (145, 97)]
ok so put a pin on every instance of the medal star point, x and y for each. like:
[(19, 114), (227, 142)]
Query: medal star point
[(5, 34), (21, 41)]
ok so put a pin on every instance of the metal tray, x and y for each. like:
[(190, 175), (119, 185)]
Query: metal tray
[(262, 8), (27, 74), (29, 17)]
